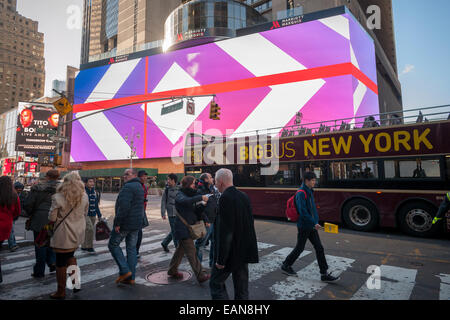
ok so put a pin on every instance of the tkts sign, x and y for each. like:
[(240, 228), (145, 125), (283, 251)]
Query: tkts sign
[(32, 119)]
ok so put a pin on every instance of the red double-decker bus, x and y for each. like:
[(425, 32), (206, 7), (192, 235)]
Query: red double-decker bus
[(392, 176)]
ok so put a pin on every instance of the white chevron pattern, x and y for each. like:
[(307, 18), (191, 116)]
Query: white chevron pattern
[(283, 100)]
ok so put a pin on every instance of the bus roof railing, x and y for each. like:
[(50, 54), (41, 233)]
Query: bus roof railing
[(421, 115)]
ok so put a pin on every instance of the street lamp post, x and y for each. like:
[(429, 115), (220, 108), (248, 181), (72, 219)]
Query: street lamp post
[(132, 146)]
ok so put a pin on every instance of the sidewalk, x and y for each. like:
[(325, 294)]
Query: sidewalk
[(107, 204)]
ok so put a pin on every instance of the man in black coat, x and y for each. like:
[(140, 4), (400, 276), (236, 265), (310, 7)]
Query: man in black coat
[(37, 205), (235, 240)]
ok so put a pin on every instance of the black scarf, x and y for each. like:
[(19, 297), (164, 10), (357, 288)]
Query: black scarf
[(189, 192)]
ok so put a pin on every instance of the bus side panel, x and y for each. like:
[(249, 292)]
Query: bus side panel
[(272, 202), (268, 203)]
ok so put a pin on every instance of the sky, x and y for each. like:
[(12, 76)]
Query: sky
[(421, 33)]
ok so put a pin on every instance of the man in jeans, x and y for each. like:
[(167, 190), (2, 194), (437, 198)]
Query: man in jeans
[(308, 226), (127, 223), (168, 204), (142, 175), (37, 205), (205, 187), (93, 211)]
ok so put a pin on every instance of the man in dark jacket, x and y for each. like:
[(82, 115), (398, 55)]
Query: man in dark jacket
[(142, 175), (93, 212), (235, 240), (186, 215), (206, 187), (308, 226), (168, 204), (127, 223), (37, 205)]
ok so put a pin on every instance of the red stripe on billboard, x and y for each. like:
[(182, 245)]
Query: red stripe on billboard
[(236, 85)]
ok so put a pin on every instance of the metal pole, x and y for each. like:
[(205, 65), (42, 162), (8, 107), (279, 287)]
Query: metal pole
[(138, 102)]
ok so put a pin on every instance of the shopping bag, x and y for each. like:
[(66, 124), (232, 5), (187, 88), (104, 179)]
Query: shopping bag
[(330, 228), (102, 231)]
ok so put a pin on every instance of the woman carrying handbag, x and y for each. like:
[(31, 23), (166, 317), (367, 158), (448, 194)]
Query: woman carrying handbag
[(186, 222), (68, 212)]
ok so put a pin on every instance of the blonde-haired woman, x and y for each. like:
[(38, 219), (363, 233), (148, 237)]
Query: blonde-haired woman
[(69, 208)]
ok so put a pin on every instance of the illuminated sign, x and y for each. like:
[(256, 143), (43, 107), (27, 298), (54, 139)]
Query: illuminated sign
[(33, 123), (325, 69)]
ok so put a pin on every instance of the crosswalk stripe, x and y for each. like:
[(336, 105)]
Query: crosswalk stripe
[(270, 263), (396, 284), (205, 263), (308, 283), (31, 289), (444, 292), (23, 275), (78, 254), (29, 250)]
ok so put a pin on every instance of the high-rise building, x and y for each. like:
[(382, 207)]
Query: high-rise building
[(22, 64), (122, 26), (59, 86)]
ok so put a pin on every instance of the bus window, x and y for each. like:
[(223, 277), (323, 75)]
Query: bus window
[(412, 169), (284, 177), (447, 160), (354, 170), (248, 176), (319, 168)]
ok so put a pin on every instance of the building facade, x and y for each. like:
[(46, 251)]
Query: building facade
[(117, 27), (22, 64), (59, 86), (203, 21)]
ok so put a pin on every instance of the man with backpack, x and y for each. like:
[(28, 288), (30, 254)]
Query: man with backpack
[(168, 204), (308, 226)]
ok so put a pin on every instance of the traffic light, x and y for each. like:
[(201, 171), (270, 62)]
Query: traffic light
[(214, 111)]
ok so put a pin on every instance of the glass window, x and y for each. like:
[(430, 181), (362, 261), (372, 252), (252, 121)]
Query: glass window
[(447, 160), (284, 177), (248, 176), (319, 168), (416, 169), (354, 170)]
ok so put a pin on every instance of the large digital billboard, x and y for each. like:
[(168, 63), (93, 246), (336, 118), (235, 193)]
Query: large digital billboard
[(31, 118), (324, 69)]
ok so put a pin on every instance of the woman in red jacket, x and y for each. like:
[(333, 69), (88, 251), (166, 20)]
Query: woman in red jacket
[(9, 209)]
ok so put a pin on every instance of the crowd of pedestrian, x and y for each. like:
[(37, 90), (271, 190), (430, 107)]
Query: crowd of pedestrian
[(205, 212)]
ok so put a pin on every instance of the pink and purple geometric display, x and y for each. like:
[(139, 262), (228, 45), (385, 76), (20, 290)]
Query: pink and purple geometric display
[(324, 69)]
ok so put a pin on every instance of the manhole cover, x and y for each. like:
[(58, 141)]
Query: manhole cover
[(161, 277)]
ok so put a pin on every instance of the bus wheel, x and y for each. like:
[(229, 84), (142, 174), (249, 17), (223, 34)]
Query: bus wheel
[(416, 219), (360, 215)]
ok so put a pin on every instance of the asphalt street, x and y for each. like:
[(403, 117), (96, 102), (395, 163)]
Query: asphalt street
[(406, 267)]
